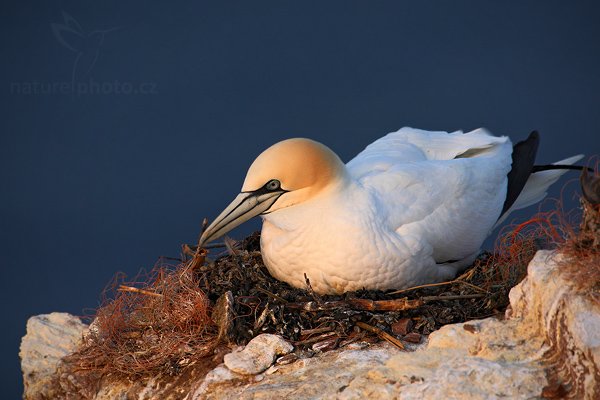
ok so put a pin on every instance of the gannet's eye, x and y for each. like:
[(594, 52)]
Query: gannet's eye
[(273, 184)]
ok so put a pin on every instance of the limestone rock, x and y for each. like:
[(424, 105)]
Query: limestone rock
[(549, 342), (310, 378), (550, 332), (49, 338), (258, 355), (568, 321), (453, 372)]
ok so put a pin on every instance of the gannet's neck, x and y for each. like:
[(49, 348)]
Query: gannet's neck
[(334, 201)]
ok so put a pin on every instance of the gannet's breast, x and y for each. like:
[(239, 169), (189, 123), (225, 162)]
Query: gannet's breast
[(414, 200), (341, 244)]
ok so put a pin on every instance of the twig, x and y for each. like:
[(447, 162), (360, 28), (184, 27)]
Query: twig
[(214, 246), (170, 258), (440, 284), (359, 304), (230, 244), (198, 259), (123, 288), (472, 286), (307, 332), (273, 295), (197, 253), (192, 248), (457, 297), (376, 305), (421, 287), (200, 253), (382, 334), (188, 250), (311, 292), (316, 339)]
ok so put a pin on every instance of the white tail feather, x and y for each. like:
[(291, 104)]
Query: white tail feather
[(537, 186)]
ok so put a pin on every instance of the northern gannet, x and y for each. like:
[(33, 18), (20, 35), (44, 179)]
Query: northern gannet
[(414, 207)]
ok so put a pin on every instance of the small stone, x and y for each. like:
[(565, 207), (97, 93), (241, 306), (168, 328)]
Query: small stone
[(402, 326), (413, 337), (258, 355)]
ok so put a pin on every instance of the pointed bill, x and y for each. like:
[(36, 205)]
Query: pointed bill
[(245, 206)]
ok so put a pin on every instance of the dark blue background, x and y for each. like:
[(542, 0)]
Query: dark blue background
[(102, 182)]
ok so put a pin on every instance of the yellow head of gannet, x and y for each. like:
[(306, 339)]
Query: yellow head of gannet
[(287, 173)]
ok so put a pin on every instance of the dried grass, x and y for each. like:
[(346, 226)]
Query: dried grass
[(157, 331)]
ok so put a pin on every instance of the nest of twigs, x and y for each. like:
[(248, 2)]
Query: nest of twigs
[(180, 315), (176, 316)]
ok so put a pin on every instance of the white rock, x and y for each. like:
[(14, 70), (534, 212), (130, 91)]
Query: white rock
[(312, 378), (218, 376), (258, 355), (550, 332), (549, 307), (49, 338)]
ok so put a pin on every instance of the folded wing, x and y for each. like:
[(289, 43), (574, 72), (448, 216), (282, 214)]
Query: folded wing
[(446, 189)]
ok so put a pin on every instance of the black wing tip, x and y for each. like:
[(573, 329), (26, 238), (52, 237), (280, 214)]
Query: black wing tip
[(532, 142), (523, 159), (534, 137), (534, 134)]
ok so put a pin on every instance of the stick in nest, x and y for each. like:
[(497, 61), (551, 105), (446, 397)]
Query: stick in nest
[(123, 288), (200, 254), (359, 304), (311, 292), (273, 295), (382, 334), (376, 305), (439, 284)]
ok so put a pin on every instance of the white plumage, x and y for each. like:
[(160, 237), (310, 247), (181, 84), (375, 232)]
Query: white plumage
[(414, 207)]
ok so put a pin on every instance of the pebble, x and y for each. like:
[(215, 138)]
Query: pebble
[(258, 355)]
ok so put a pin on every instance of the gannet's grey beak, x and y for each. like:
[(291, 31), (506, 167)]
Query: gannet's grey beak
[(245, 206)]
